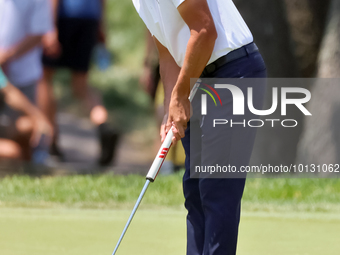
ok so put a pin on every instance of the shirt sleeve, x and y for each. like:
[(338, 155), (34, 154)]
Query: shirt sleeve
[(41, 20), (3, 79), (177, 2)]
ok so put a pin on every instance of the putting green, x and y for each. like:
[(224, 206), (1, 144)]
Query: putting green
[(160, 231)]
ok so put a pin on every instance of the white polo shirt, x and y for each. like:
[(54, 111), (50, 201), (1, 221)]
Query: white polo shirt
[(166, 24), (18, 19)]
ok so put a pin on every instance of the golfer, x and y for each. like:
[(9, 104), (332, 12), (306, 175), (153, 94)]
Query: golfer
[(207, 39)]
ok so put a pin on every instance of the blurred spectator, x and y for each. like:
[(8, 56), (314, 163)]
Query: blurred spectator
[(150, 76), (79, 27), (22, 24), (32, 126)]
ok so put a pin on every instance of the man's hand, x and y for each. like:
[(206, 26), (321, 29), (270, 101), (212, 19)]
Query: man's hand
[(51, 44), (179, 115), (41, 126)]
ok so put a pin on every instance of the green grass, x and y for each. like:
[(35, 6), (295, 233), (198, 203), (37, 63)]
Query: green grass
[(110, 191), (86, 191), (85, 232), (295, 194), (52, 215)]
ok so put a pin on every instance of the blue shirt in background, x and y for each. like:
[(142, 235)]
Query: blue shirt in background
[(83, 9), (3, 79)]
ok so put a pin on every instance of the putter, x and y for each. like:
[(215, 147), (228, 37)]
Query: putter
[(153, 171)]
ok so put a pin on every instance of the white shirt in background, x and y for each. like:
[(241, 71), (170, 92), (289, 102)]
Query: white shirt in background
[(166, 24), (18, 19)]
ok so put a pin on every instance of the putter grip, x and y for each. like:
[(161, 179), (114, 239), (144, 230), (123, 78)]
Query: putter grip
[(163, 151), (157, 163)]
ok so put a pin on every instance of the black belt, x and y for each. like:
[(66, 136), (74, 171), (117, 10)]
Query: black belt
[(231, 56)]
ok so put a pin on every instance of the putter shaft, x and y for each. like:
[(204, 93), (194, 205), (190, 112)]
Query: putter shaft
[(132, 214), (153, 171)]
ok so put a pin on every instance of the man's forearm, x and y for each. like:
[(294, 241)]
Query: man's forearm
[(24, 46), (16, 100), (203, 35), (199, 50), (169, 72)]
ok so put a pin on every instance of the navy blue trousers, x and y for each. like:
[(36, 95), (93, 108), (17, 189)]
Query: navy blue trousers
[(214, 204)]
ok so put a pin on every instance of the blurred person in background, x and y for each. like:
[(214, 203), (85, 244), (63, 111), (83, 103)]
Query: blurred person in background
[(22, 25), (30, 127), (79, 27), (150, 76)]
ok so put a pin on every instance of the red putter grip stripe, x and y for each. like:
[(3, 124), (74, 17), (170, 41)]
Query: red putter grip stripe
[(163, 153), (167, 150)]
